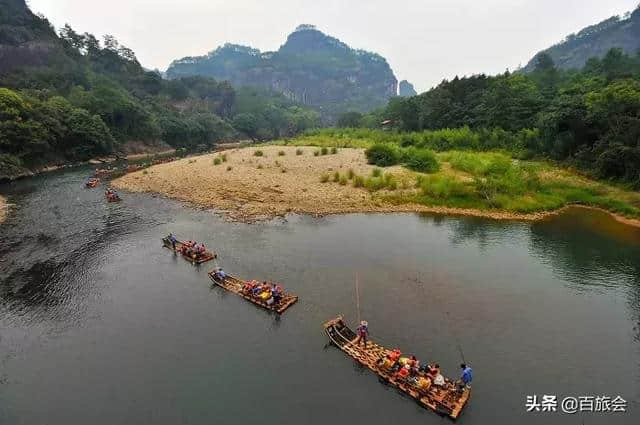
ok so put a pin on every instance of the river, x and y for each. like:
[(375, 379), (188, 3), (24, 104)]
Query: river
[(101, 325)]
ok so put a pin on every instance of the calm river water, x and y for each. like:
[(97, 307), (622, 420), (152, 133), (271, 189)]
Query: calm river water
[(100, 325)]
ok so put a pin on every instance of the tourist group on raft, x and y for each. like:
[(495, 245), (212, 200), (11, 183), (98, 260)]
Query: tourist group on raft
[(269, 292), (110, 193), (92, 182), (188, 248), (410, 369)]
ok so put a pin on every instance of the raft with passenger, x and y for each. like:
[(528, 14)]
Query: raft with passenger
[(439, 394), (105, 172), (92, 182), (190, 251), (266, 295), (112, 195)]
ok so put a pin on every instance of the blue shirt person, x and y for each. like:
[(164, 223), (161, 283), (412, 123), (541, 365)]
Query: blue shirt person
[(467, 374), (172, 239), (221, 274)]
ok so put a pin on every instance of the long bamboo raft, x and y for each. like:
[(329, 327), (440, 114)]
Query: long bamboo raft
[(235, 285), (447, 400), (194, 259)]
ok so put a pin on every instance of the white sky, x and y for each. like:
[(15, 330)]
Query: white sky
[(424, 41)]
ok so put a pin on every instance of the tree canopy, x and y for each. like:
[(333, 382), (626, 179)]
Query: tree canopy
[(588, 118)]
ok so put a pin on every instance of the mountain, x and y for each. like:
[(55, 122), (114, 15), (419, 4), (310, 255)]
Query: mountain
[(595, 41), (405, 89), (311, 68), (26, 39), (69, 97)]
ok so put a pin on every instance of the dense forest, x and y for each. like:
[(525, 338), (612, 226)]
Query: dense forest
[(69, 97), (621, 32), (589, 119), (310, 68)]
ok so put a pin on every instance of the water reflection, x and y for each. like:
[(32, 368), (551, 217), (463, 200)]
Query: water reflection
[(604, 257), (483, 232)]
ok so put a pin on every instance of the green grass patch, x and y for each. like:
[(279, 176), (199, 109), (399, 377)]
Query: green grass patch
[(421, 160)]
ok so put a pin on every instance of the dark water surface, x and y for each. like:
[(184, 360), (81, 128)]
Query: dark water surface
[(100, 325)]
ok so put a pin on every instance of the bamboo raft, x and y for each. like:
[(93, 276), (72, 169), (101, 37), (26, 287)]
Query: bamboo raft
[(447, 400), (235, 285), (105, 172), (92, 182), (194, 259)]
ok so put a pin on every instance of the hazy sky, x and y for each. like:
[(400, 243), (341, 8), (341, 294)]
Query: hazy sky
[(424, 41)]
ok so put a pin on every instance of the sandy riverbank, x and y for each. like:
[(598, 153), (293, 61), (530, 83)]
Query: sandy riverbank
[(249, 187), (4, 209)]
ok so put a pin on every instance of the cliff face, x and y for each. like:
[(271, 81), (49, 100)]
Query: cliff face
[(26, 39), (595, 41), (311, 68)]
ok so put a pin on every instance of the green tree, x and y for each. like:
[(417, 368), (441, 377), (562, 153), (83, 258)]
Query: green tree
[(351, 119), (248, 124)]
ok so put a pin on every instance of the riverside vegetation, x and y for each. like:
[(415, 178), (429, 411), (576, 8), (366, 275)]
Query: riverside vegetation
[(588, 119), (67, 97), (445, 168)]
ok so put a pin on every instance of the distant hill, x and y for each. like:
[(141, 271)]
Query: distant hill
[(406, 89), (595, 41), (69, 97), (311, 68)]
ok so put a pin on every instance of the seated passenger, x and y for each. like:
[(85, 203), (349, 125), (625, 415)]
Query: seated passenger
[(248, 286), (423, 383), (395, 354), (439, 380), (415, 364), (276, 293), (258, 289), (434, 370), (403, 373)]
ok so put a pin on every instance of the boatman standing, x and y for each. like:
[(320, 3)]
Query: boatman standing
[(363, 332), (173, 240), (467, 376)]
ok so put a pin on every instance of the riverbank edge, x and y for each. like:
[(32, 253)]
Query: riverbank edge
[(380, 207), (33, 172), (390, 209)]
